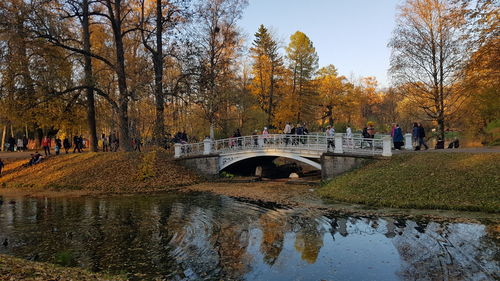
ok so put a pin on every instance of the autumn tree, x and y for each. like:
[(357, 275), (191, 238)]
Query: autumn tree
[(158, 32), (481, 74), (266, 68), (31, 69), (332, 90), (427, 54), (303, 63), (218, 44)]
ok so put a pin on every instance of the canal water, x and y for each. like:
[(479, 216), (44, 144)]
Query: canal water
[(178, 236)]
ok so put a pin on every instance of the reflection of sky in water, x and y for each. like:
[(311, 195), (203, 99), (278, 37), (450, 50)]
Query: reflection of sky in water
[(354, 257), (191, 237)]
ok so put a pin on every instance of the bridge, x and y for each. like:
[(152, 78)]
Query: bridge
[(213, 156)]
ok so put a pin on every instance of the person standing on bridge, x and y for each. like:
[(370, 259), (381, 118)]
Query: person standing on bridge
[(330, 132), (287, 131), (265, 134), (348, 135), (237, 135), (255, 137)]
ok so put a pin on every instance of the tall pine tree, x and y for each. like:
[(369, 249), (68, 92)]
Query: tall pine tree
[(268, 64)]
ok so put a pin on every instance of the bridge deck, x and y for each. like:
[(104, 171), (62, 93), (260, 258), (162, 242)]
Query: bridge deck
[(311, 146)]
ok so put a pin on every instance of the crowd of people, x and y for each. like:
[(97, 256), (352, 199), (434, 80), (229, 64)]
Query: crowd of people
[(295, 133), (21, 144), (294, 136)]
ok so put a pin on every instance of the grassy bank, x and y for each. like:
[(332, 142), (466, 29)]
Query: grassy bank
[(102, 172), (12, 268), (454, 181)]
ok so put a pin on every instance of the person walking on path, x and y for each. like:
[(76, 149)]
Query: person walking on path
[(12, 144), (414, 134), (1, 167), (20, 145), (66, 144), (397, 137), (104, 143), (137, 143), (46, 142), (58, 146), (76, 143), (25, 143), (116, 144), (421, 136)]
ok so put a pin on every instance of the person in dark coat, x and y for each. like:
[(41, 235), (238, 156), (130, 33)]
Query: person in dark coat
[(397, 137), (1, 166), (12, 143), (25, 143), (76, 143), (66, 144), (237, 135), (421, 136), (58, 147), (414, 133)]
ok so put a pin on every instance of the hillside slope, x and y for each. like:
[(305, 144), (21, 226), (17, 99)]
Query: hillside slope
[(121, 171), (431, 180)]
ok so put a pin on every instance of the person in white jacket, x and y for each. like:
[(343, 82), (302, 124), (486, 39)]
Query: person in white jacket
[(348, 134), (330, 133)]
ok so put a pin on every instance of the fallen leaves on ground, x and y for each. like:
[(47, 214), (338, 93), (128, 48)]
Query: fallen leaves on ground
[(103, 172), (12, 268)]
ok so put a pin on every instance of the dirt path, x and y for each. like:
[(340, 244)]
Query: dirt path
[(494, 149)]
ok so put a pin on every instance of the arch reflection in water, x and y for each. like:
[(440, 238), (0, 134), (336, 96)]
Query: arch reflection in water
[(200, 236)]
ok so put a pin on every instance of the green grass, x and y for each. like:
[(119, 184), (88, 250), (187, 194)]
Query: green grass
[(433, 180)]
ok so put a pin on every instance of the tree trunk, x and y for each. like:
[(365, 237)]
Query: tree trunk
[(125, 144), (89, 81), (212, 130), (330, 115), (3, 137), (159, 126), (271, 96)]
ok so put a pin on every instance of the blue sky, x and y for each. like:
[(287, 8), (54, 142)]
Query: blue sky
[(350, 34)]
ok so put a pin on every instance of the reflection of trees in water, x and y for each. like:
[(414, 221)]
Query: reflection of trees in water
[(308, 237), (273, 225), (211, 240), (178, 237)]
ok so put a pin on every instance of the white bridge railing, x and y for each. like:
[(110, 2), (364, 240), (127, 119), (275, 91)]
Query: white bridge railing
[(302, 144)]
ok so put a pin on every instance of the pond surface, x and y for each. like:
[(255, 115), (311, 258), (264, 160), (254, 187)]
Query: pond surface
[(207, 237)]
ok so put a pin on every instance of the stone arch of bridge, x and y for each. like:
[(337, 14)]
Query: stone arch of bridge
[(228, 160)]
